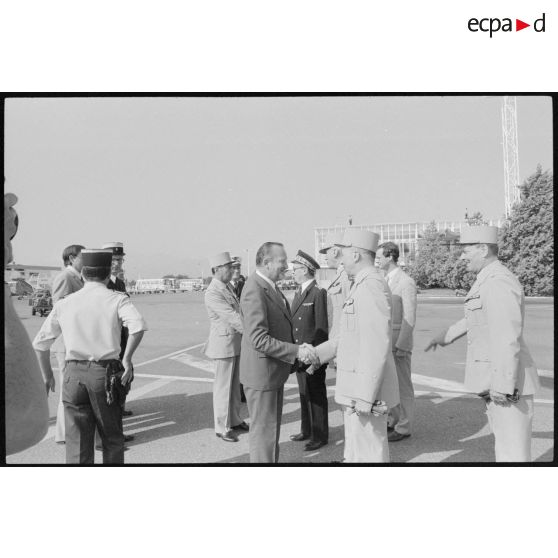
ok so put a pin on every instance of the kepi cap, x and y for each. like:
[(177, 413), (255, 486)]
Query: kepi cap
[(223, 258), (304, 259), (331, 240), (480, 234), (367, 240), (116, 247), (236, 261), (96, 258)]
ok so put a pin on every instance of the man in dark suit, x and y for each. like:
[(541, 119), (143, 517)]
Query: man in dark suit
[(268, 351), (309, 316)]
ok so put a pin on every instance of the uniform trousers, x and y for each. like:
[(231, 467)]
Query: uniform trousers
[(86, 407), (365, 438), (265, 409), (401, 416), (60, 430), (226, 394), (512, 427), (313, 405)]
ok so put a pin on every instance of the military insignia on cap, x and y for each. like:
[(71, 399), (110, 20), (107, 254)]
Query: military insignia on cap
[(304, 259), (116, 247)]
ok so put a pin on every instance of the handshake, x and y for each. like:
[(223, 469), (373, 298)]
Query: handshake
[(308, 355)]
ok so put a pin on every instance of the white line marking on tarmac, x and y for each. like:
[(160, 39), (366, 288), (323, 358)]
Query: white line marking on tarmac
[(162, 357), (136, 393), (433, 457), (146, 428)]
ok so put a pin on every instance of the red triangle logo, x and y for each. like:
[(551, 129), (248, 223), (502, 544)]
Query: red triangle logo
[(519, 25)]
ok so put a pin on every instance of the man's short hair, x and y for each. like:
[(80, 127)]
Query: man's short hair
[(72, 250), (264, 251), (390, 249), (95, 273)]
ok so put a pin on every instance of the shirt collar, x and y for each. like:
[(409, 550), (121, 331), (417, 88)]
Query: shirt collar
[(486, 270), (267, 279), (306, 284), (93, 285)]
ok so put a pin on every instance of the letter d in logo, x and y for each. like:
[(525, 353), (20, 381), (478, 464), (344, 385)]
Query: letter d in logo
[(540, 21)]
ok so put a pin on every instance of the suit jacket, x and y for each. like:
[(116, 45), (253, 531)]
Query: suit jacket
[(403, 310), (365, 366), (309, 317), (225, 325), (268, 350), (65, 283), (239, 286), (120, 286), (497, 356)]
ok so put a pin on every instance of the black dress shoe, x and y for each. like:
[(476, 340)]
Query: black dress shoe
[(242, 426), (227, 437), (299, 437), (127, 413), (396, 436), (128, 437), (314, 445)]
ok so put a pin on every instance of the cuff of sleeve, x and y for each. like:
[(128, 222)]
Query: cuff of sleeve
[(503, 385), (136, 327)]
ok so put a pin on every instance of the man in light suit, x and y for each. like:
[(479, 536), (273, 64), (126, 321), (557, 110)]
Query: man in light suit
[(68, 281), (223, 345), (403, 315), (366, 384), (499, 366), (268, 351)]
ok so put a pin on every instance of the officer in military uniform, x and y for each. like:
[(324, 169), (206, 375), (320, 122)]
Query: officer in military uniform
[(309, 317), (117, 284), (90, 320), (339, 288), (499, 366), (366, 383)]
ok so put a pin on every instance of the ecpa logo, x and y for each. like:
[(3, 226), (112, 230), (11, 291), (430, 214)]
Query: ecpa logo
[(492, 25)]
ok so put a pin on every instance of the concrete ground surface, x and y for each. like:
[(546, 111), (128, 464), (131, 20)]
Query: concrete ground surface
[(171, 396)]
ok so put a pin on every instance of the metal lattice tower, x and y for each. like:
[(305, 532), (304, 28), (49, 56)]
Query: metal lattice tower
[(511, 153)]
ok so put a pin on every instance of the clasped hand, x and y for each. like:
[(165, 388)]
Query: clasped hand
[(308, 355)]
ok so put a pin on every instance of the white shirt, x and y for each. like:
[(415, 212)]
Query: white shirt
[(391, 275), (91, 320), (306, 284)]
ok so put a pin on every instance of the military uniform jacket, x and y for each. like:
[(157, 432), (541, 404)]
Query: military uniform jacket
[(119, 286), (497, 357), (309, 316), (268, 350), (365, 366), (336, 294), (225, 325), (403, 310)]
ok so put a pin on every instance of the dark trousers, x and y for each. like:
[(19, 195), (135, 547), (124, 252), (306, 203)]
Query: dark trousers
[(85, 407), (265, 409), (313, 405)]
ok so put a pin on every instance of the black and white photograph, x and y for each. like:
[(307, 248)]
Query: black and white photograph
[(278, 279)]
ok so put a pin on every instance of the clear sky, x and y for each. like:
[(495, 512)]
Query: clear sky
[(177, 179)]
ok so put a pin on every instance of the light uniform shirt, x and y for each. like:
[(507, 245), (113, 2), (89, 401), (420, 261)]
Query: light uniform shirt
[(91, 320)]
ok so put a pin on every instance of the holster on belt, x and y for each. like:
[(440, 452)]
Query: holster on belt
[(115, 391)]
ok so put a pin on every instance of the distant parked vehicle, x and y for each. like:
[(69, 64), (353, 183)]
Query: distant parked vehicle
[(460, 292), (41, 303)]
